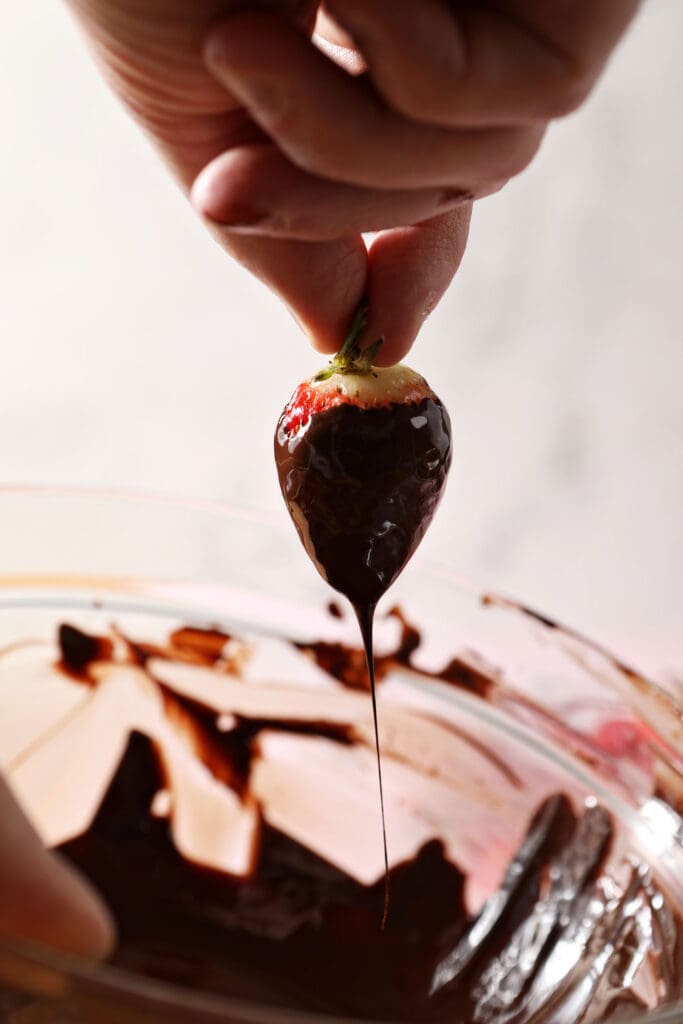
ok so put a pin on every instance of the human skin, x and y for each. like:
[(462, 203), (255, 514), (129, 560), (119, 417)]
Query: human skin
[(296, 158), (42, 899)]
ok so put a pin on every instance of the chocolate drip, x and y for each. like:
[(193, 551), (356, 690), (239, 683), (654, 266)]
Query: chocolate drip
[(365, 619)]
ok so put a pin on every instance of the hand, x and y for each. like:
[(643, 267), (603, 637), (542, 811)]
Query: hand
[(151, 53), (455, 101), (42, 899)]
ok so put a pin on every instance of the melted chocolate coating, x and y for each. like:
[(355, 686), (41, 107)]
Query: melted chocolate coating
[(362, 486)]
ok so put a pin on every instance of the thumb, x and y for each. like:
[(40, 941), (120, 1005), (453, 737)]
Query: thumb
[(409, 271), (42, 899)]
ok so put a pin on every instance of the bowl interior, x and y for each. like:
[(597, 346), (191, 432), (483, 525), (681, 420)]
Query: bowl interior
[(492, 711)]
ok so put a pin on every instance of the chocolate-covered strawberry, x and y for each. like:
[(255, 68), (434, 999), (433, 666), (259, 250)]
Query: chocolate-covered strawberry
[(362, 454)]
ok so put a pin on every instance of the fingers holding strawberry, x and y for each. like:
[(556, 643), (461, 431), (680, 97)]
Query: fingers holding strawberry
[(300, 154), (363, 455), (409, 269), (151, 56), (454, 102)]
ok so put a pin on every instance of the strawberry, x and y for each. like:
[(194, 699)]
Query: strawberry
[(362, 454)]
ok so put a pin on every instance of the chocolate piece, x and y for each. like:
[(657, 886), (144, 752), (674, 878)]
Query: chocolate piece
[(206, 644), (79, 650)]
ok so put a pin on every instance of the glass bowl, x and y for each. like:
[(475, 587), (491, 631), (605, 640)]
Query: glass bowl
[(491, 707)]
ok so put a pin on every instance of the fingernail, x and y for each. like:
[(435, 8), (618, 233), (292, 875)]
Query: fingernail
[(452, 196)]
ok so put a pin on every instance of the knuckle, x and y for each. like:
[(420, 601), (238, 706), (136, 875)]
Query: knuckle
[(489, 188), (282, 120), (521, 148), (320, 155), (510, 164), (302, 224), (336, 156), (335, 8), (414, 102), (320, 161), (566, 91)]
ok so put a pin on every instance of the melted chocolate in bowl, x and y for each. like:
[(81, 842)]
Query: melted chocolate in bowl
[(218, 788)]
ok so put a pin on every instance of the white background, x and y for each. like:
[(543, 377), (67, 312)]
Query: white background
[(135, 353)]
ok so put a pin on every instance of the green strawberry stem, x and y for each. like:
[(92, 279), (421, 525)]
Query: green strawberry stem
[(350, 350), (351, 358)]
